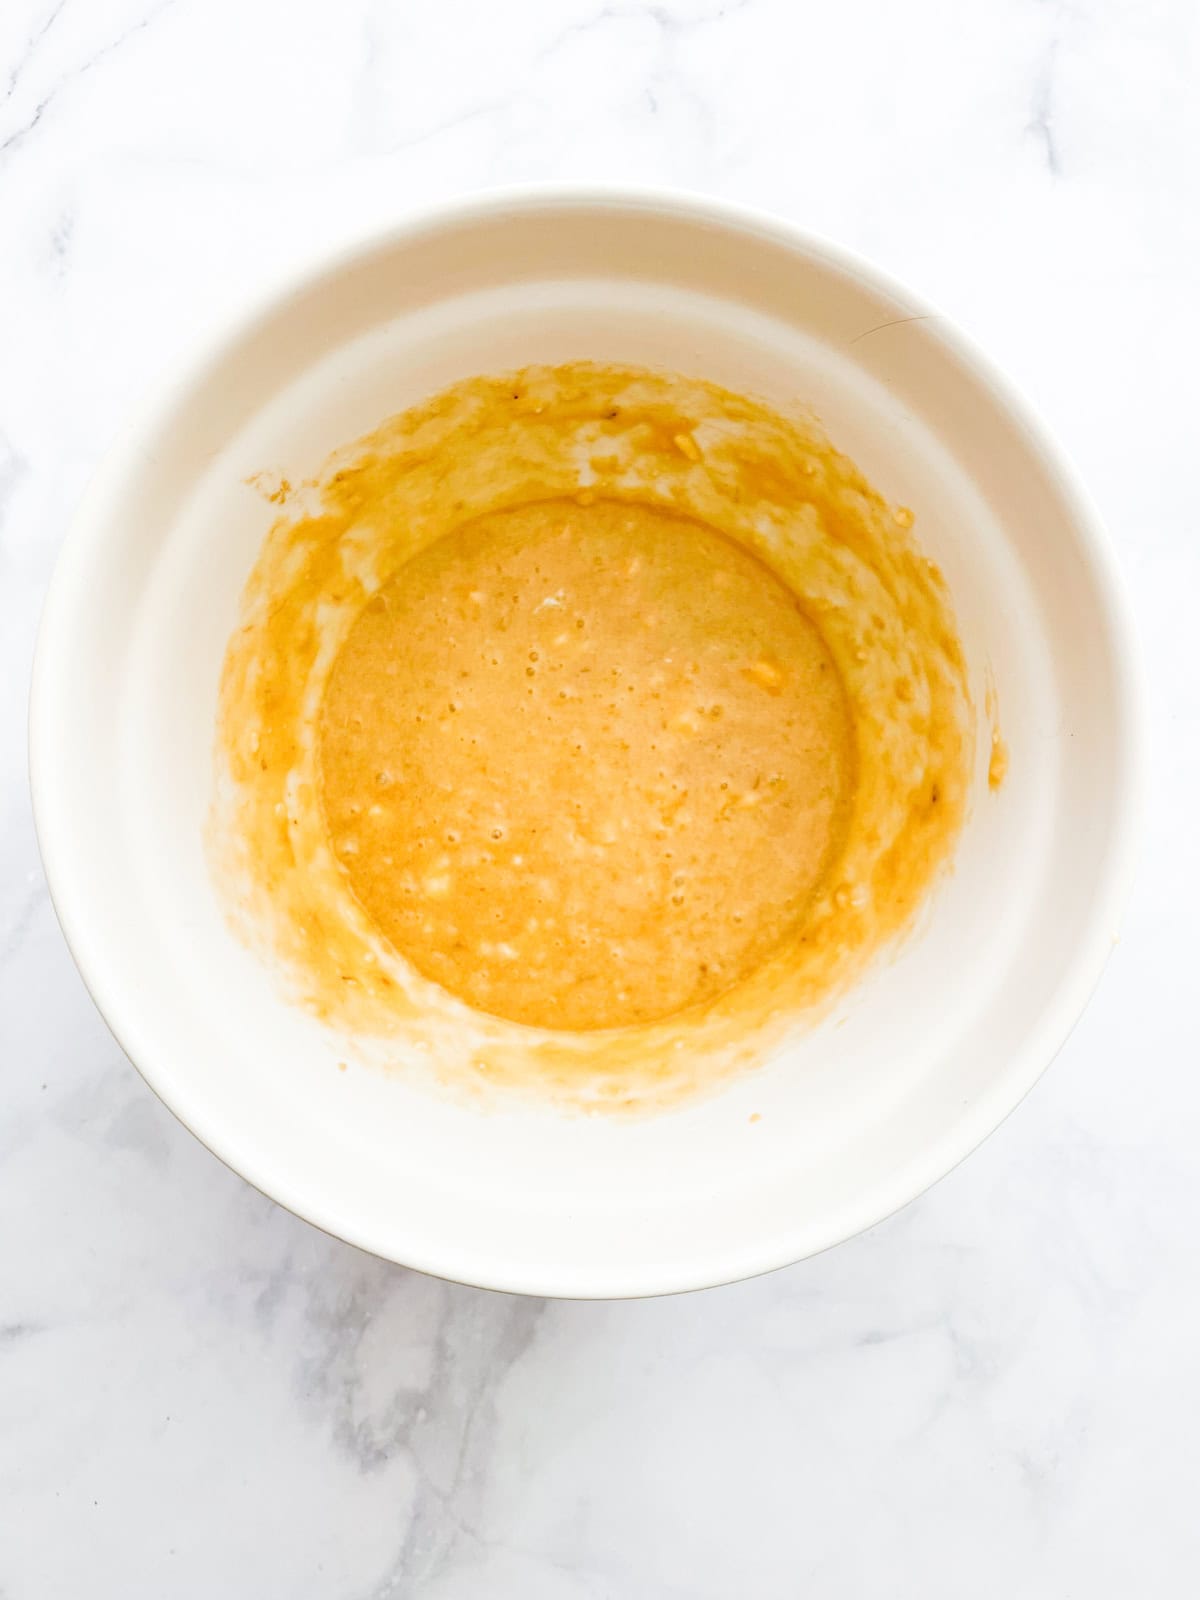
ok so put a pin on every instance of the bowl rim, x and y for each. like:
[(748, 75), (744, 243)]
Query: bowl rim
[(50, 690)]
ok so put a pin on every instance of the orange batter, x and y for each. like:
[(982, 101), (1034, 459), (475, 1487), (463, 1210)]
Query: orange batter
[(585, 731), (585, 765)]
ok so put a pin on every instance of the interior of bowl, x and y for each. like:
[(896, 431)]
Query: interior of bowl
[(875, 1100)]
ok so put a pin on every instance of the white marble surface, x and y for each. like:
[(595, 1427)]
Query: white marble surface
[(995, 1394)]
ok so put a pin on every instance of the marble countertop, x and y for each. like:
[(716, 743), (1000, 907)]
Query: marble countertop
[(996, 1393)]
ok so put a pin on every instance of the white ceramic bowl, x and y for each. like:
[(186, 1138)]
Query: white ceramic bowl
[(921, 1061)]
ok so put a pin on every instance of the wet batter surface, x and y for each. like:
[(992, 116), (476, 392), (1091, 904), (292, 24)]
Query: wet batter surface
[(585, 765), (585, 731)]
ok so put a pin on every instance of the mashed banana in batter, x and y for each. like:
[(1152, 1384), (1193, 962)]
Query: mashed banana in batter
[(586, 729)]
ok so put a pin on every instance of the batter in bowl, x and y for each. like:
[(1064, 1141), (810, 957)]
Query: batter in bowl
[(586, 730), (585, 765)]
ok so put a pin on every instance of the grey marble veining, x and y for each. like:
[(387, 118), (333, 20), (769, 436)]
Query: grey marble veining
[(995, 1393)]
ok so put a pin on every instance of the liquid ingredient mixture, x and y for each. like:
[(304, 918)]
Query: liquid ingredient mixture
[(585, 765), (585, 732)]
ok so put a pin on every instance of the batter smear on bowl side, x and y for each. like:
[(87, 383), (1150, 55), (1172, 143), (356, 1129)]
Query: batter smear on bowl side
[(587, 728)]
